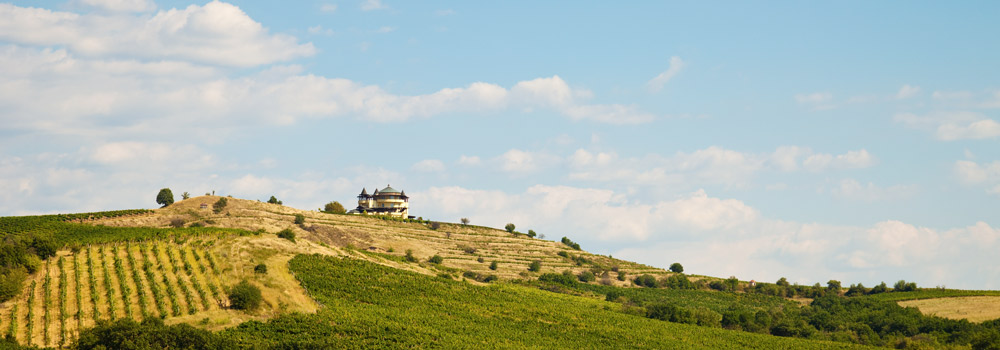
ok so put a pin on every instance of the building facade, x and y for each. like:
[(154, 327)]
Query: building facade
[(387, 201)]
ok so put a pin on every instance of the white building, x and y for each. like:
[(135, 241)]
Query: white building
[(388, 201)]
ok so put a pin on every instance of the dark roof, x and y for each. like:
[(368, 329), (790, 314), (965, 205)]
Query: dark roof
[(364, 192)]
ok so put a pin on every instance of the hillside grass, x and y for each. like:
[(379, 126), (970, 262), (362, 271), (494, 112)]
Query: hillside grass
[(366, 305)]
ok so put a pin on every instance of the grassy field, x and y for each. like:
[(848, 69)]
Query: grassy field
[(974, 308), (366, 305)]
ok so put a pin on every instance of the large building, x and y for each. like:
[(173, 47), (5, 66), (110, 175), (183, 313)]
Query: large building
[(388, 201)]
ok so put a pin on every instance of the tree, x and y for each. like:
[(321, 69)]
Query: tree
[(833, 286), (165, 197), (903, 286), (334, 208), (274, 200), (532, 234), (645, 281), (676, 267), (300, 219), (245, 296), (783, 282), (219, 205), (409, 256), (881, 288), (185, 195), (535, 266), (509, 227), (586, 276), (465, 221)]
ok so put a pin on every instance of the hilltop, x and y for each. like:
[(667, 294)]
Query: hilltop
[(334, 280)]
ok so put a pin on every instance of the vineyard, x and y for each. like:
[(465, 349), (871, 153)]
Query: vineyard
[(137, 280), (368, 305)]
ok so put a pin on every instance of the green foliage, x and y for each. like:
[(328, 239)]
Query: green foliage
[(436, 259), (571, 244), (185, 195), (532, 234), (645, 281), (465, 221), (245, 296), (300, 219), (165, 197), (334, 208), (274, 200), (535, 266), (678, 281), (676, 267), (493, 265), (881, 288), (219, 205), (621, 275), (509, 227), (126, 334), (903, 286), (410, 310), (260, 268), (586, 276), (287, 234), (566, 278), (409, 256)]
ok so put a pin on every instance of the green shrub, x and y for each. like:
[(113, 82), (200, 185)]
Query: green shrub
[(480, 260), (300, 219), (509, 227), (334, 208), (565, 278), (563, 253), (535, 266), (150, 334), (621, 275), (260, 268), (678, 281), (645, 281), (245, 296), (436, 259), (571, 244), (493, 265), (219, 205), (287, 234), (586, 276), (409, 256)]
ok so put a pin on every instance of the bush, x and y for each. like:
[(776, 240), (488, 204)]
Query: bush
[(465, 221), (566, 278), (493, 266), (621, 275), (881, 288), (409, 256), (469, 250), (165, 197), (274, 200), (903, 286), (334, 208), (490, 278), (260, 268), (563, 253), (480, 260), (535, 266), (44, 247), (509, 227), (287, 234), (645, 281), (436, 259), (300, 219), (125, 333), (177, 222), (435, 225), (570, 243), (586, 276), (532, 234), (676, 267), (245, 296), (219, 205)]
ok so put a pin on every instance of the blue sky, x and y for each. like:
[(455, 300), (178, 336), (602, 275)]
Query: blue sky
[(851, 141)]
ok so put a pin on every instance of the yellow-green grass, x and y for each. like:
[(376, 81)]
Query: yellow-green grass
[(974, 308)]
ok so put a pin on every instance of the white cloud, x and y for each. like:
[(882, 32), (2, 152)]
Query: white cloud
[(429, 166), (656, 84), (329, 8), (371, 5), (851, 160), (121, 5), (469, 160), (951, 126), (907, 91), (522, 162), (216, 33), (318, 29), (985, 174), (852, 189), (818, 100)]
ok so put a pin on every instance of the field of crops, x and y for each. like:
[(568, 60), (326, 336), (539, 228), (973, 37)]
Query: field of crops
[(134, 280), (373, 306)]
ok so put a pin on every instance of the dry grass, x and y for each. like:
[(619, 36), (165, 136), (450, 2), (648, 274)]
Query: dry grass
[(974, 309)]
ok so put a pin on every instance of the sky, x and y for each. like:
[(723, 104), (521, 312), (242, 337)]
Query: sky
[(857, 141)]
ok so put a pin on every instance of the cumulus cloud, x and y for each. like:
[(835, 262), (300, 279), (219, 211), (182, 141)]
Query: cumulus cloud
[(850, 160), (656, 84), (951, 126), (216, 33), (469, 160), (976, 174)]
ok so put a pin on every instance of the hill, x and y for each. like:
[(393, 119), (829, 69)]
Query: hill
[(352, 281)]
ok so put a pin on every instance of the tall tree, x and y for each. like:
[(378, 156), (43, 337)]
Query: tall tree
[(165, 197)]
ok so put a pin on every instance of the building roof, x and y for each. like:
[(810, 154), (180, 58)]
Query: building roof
[(388, 189), (364, 192)]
